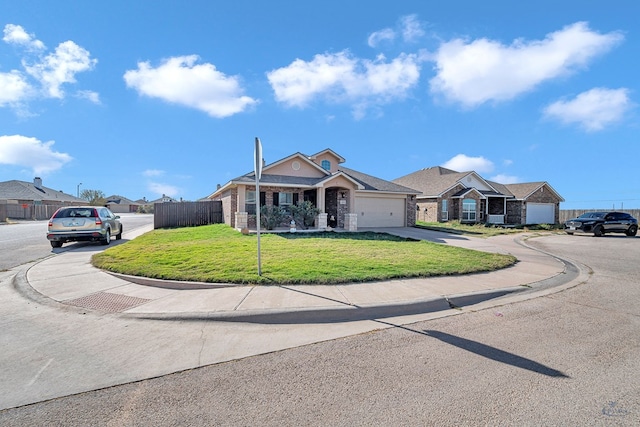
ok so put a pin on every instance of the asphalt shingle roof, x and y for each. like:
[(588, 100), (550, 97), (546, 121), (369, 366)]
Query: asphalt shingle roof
[(376, 184), (432, 181), (120, 200), (21, 190), (369, 182)]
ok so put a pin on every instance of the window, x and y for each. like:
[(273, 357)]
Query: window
[(468, 210), (326, 165), (250, 202), (285, 200), (445, 208)]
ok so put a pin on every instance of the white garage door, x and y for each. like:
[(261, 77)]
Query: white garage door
[(380, 212), (540, 213)]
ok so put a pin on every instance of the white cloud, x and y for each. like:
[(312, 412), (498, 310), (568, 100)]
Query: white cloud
[(29, 152), (90, 95), (51, 71), (342, 79), (60, 67), (592, 110), (483, 70), (153, 172), (464, 163), (180, 80), (163, 189), (15, 34), (13, 88), (386, 34), (505, 179), (409, 28)]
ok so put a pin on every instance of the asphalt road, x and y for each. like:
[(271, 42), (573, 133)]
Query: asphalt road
[(569, 358), (25, 241)]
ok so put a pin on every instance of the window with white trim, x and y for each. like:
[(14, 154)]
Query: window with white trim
[(468, 210)]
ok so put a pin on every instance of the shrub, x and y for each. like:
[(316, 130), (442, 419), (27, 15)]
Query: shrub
[(304, 214), (271, 216)]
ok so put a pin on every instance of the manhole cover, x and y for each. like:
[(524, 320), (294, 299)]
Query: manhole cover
[(108, 302)]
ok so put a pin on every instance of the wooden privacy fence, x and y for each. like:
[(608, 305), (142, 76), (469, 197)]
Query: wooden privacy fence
[(187, 214), (566, 214), (27, 211)]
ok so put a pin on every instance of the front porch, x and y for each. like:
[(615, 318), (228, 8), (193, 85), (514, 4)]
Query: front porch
[(321, 223), (482, 209)]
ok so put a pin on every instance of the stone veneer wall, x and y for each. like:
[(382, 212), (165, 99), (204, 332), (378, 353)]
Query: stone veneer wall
[(343, 210)]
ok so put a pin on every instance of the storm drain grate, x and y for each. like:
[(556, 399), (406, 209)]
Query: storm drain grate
[(108, 302)]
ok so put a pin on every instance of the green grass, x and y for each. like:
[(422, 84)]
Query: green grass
[(218, 253)]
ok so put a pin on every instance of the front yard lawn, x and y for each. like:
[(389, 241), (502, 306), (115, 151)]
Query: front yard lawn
[(219, 254)]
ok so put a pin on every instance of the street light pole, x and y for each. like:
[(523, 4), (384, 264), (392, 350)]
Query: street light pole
[(78, 190)]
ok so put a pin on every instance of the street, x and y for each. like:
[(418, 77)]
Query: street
[(567, 358), (26, 241)]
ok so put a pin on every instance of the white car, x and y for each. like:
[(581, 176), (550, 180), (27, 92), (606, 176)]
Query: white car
[(83, 223)]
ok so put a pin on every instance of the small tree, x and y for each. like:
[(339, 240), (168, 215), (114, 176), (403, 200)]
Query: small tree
[(304, 214), (271, 216), (94, 197)]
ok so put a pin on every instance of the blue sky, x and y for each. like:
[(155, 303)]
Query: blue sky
[(148, 98)]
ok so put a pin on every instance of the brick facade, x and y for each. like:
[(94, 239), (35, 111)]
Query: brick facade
[(268, 194)]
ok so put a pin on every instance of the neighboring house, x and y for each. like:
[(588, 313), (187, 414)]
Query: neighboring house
[(119, 204), (163, 199), (32, 200), (467, 197), (346, 198)]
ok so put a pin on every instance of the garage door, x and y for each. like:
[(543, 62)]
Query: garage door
[(540, 213), (380, 212)]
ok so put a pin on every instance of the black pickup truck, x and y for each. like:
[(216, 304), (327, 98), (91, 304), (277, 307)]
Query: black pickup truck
[(600, 223)]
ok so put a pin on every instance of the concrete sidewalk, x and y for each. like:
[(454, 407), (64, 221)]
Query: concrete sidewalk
[(68, 278)]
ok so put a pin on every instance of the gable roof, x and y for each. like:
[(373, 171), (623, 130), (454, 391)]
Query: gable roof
[(119, 200), (363, 181), (462, 193), (371, 183), (300, 156), (435, 181), (524, 190), (330, 151), (22, 190)]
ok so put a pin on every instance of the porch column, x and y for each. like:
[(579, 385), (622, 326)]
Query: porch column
[(486, 210), (504, 210), (351, 222), (320, 199), (242, 220)]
